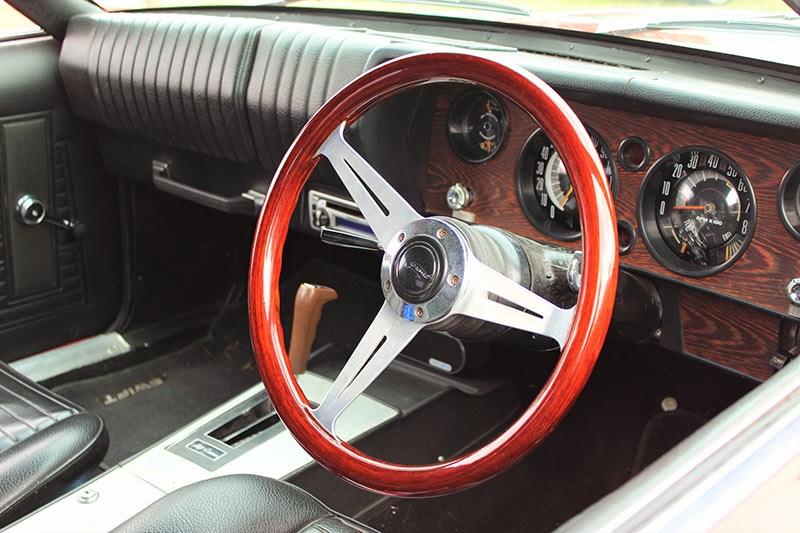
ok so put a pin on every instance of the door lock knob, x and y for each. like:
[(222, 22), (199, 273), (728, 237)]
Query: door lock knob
[(32, 212)]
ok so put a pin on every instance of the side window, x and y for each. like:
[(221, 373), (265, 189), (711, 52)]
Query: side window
[(13, 23)]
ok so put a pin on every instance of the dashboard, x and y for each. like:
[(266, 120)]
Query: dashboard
[(701, 154), (711, 209)]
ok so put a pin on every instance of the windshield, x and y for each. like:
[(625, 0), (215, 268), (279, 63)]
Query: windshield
[(761, 29)]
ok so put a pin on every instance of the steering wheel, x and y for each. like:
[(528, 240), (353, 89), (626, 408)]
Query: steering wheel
[(453, 281)]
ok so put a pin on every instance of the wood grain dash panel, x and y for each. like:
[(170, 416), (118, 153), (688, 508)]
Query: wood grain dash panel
[(758, 278), (729, 334)]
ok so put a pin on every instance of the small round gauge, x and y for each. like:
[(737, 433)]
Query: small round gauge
[(789, 200), (476, 126), (545, 191), (697, 211)]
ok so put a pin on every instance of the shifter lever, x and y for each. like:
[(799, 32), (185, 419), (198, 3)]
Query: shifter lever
[(308, 304), (32, 212)]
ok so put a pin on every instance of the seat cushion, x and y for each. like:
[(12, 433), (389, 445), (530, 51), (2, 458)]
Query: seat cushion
[(242, 503), (26, 407), (46, 444)]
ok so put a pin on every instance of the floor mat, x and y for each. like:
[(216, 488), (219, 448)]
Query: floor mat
[(142, 404), (616, 427), (662, 432)]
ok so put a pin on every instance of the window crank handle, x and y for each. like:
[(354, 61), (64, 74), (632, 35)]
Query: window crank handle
[(32, 212)]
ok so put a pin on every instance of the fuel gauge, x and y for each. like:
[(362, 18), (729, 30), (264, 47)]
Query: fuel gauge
[(476, 126)]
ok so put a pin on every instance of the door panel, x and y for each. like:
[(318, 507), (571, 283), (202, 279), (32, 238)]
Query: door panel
[(54, 288), (27, 147)]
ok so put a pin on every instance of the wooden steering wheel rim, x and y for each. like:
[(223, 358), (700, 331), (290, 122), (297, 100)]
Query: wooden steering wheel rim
[(595, 301)]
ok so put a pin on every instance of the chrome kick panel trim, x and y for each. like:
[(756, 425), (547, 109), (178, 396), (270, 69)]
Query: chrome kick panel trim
[(80, 354)]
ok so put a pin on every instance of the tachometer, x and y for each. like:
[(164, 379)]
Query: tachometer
[(476, 126), (545, 191), (697, 211)]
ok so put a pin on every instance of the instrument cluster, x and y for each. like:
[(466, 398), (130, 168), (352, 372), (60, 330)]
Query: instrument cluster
[(696, 207)]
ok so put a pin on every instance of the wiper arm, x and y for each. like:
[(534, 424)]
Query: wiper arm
[(778, 22), (480, 5)]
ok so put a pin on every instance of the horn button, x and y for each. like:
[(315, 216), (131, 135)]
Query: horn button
[(418, 270)]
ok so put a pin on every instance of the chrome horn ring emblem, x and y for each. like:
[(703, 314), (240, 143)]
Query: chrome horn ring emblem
[(423, 269)]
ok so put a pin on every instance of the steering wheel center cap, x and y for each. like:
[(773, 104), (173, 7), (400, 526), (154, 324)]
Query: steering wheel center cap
[(422, 271), (417, 272)]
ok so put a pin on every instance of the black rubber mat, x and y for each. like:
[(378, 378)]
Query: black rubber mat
[(143, 403), (662, 432), (616, 428)]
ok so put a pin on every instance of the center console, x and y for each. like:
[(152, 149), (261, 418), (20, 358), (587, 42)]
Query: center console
[(244, 435)]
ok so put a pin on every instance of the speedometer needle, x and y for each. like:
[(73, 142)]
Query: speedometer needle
[(566, 196), (690, 207)]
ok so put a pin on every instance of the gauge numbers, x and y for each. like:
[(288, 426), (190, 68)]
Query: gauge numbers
[(697, 211), (545, 190)]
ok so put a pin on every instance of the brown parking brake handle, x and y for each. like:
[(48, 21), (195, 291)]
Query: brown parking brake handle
[(308, 304)]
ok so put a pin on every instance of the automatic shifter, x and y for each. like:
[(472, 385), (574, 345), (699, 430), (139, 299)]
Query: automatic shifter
[(308, 304)]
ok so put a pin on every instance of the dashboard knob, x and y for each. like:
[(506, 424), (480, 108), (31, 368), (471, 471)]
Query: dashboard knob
[(459, 197), (321, 217)]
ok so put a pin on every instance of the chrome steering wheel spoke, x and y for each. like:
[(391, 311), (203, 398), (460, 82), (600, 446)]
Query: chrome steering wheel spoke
[(384, 208), (385, 338), (415, 273), (517, 306)]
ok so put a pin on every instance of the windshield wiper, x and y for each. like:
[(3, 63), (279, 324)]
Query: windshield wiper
[(478, 5), (482, 5), (771, 23)]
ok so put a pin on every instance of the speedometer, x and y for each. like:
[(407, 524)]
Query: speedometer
[(697, 211), (545, 191)]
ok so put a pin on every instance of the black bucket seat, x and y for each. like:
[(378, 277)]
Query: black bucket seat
[(47, 444)]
